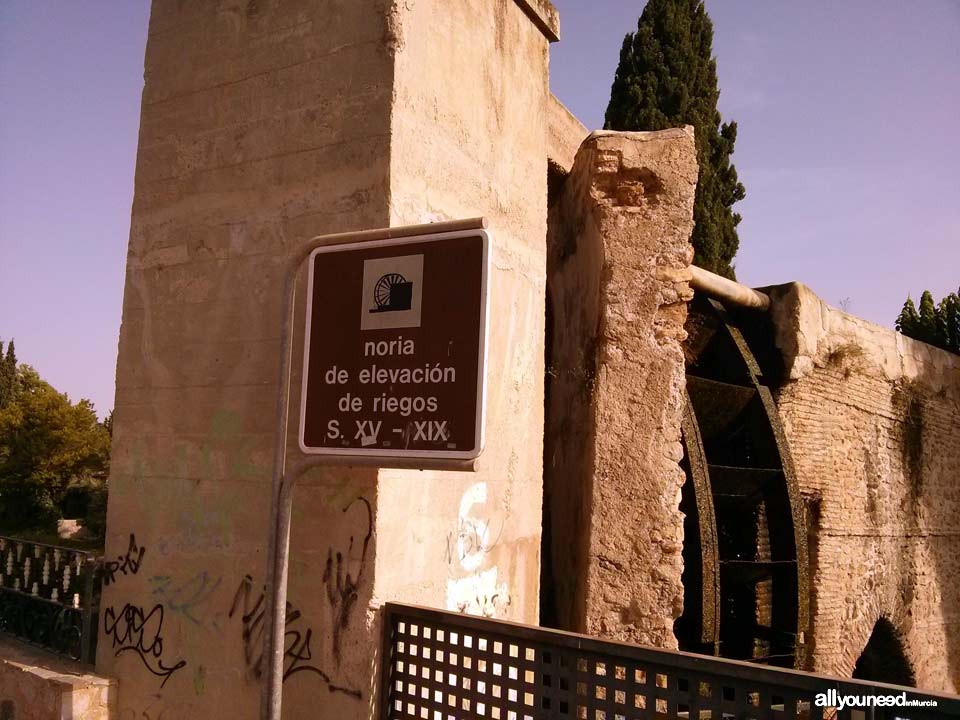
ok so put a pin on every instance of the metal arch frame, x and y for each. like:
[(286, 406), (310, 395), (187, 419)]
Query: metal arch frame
[(754, 378), (792, 491), (284, 480), (707, 525)]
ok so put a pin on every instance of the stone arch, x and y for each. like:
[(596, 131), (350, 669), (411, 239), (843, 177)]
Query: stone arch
[(884, 658)]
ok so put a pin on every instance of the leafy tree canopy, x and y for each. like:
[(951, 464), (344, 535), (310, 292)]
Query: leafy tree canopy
[(47, 444), (667, 77)]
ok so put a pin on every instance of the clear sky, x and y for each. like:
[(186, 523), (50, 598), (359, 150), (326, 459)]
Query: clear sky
[(848, 115)]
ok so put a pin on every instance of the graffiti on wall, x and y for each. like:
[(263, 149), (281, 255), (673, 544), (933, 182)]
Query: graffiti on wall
[(480, 591), (189, 598), (342, 579), (133, 629), (203, 528), (342, 586), (298, 653), (141, 626), (126, 564), (474, 537)]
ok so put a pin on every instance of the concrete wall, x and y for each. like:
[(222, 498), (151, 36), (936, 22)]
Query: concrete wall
[(565, 133), (263, 124), (469, 137), (873, 421), (618, 277)]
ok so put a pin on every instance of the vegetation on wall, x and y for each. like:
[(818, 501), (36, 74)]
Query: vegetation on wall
[(667, 77), (933, 323), (54, 454)]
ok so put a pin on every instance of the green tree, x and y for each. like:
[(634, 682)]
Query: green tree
[(667, 77), (927, 325), (8, 374), (108, 424), (949, 322), (935, 324), (47, 444), (909, 319)]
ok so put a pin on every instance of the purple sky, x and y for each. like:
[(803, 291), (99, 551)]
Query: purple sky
[(848, 114)]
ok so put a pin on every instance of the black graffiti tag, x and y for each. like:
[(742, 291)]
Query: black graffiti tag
[(128, 564), (471, 538), (342, 588), (134, 631), (297, 652)]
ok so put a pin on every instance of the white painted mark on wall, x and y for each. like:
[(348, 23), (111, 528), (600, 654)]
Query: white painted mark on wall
[(480, 592)]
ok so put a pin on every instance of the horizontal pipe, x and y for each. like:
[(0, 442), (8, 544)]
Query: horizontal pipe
[(728, 291)]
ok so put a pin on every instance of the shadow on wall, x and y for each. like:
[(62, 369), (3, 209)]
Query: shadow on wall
[(884, 659), (574, 262), (548, 602)]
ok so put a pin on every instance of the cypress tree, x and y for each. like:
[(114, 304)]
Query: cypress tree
[(8, 374), (667, 77), (937, 325), (909, 319), (948, 314), (4, 380), (928, 324)]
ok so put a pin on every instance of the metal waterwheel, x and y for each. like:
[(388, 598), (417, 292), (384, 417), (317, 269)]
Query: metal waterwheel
[(745, 553)]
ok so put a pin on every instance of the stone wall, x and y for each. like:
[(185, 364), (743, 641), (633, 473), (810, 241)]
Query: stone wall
[(618, 275), (35, 685), (263, 124), (873, 421)]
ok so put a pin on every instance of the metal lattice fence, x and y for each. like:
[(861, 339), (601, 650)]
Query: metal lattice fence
[(445, 666), (49, 597)]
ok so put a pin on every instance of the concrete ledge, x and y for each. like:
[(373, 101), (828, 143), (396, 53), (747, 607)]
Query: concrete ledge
[(35, 685), (808, 331), (565, 134), (544, 16)]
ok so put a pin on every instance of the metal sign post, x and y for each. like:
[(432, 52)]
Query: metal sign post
[(394, 373)]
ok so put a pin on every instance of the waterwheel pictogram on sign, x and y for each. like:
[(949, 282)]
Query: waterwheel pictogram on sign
[(392, 293)]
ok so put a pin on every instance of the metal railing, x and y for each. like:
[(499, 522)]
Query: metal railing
[(50, 596), (444, 666)]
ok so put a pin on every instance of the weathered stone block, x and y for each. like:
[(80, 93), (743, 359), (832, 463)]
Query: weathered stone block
[(617, 272), (37, 686)]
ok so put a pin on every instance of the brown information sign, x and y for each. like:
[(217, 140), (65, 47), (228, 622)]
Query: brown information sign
[(394, 356)]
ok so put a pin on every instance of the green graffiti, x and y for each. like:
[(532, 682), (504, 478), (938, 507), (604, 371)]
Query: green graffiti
[(199, 679), (225, 424)]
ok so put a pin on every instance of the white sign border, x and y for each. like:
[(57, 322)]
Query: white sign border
[(481, 401)]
